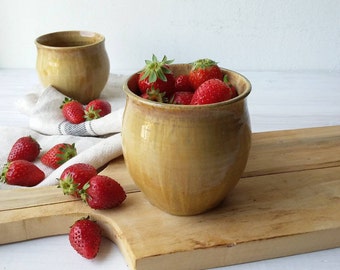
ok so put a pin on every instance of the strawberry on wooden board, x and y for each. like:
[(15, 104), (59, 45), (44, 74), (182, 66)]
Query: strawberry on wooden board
[(73, 111), (22, 173), (157, 74), (182, 98), (85, 237), (102, 192), (59, 154), (203, 70), (97, 108), (25, 148), (74, 177), (182, 83), (211, 91)]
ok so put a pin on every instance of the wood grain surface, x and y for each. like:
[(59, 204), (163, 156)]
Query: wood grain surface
[(287, 202)]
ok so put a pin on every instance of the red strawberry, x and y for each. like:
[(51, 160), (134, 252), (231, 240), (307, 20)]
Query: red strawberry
[(58, 154), (203, 70), (73, 111), (182, 98), (154, 95), (97, 108), (25, 148), (157, 74), (22, 173), (74, 177), (232, 87), (211, 91), (182, 84), (85, 237), (103, 192)]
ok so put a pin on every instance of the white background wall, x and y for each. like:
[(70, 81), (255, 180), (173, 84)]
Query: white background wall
[(239, 34)]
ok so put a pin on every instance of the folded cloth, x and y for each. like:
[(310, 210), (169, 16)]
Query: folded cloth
[(91, 150), (97, 141), (45, 115)]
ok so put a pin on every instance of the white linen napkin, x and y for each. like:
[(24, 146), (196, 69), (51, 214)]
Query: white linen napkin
[(45, 115), (92, 150), (97, 141)]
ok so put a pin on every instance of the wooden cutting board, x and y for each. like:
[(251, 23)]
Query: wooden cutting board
[(287, 202)]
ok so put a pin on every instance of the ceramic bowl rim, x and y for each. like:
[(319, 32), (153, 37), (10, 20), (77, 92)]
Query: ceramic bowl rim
[(136, 97), (82, 33)]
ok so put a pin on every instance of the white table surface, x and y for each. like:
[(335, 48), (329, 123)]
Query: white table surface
[(278, 101)]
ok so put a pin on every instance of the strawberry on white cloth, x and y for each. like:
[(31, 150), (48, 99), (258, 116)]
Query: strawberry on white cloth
[(96, 151), (97, 141), (45, 115)]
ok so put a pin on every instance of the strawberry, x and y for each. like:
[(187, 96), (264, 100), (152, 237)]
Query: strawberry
[(182, 83), (74, 177), (157, 74), (102, 192), (25, 148), (232, 87), (97, 108), (85, 237), (154, 95), (73, 111), (211, 91), (203, 70), (58, 154), (22, 173), (182, 98)]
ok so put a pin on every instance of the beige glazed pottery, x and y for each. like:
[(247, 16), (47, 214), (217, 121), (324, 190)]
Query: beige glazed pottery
[(74, 62), (186, 158)]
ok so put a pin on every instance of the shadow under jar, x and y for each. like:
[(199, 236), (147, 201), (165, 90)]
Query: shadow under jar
[(74, 62), (186, 158)]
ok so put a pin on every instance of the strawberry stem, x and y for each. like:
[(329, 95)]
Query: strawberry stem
[(154, 95), (4, 172), (82, 192), (68, 185), (155, 69), (67, 152), (65, 101), (203, 63), (91, 113)]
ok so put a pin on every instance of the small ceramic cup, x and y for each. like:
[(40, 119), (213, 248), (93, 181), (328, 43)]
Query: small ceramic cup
[(74, 62), (186, 158)]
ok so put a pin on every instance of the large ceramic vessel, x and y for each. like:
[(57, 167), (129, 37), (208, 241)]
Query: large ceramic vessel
[(186, 158), (74, 62)]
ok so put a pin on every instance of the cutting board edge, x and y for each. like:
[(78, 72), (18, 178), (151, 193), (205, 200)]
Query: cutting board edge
[(227, 255)]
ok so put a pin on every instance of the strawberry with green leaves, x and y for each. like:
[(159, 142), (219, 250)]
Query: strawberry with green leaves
[(154, 95), (85, 237), (22, 173), (73, 111), (203, 70), (102, 192), (211, 91), (74, 177), (158, 75), (96, 109), (25, 148), (58, 155)]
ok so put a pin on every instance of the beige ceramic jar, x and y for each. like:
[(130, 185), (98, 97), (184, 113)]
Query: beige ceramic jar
[(186, 159), (74, 62)]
